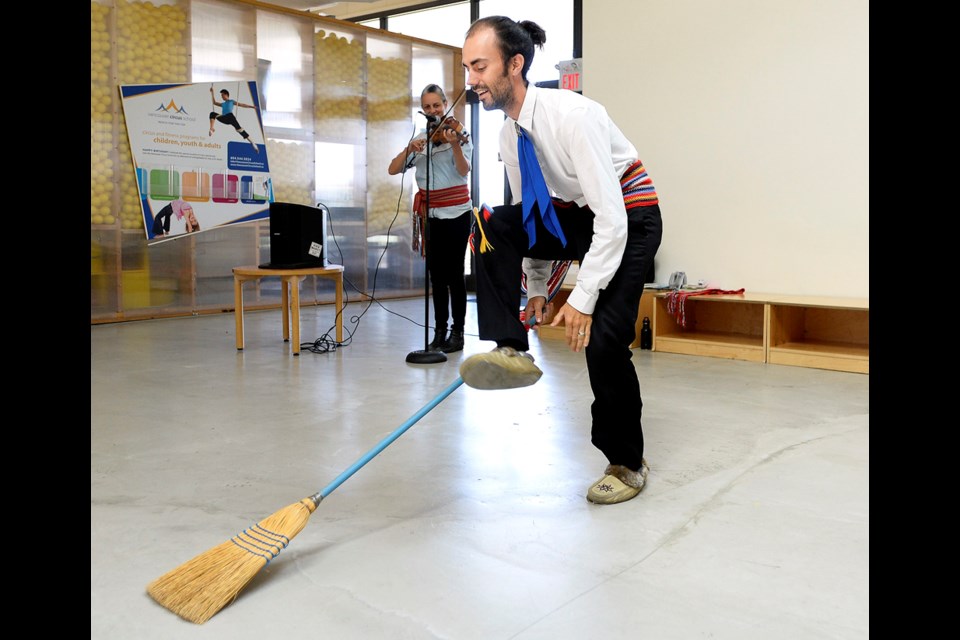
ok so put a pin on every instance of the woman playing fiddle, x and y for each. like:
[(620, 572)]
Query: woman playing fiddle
[(450, 212)]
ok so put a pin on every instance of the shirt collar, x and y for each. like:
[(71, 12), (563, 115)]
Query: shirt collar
[(529, 106)]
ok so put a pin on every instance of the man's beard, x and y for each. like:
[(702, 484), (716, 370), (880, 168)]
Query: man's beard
[(500, 98)]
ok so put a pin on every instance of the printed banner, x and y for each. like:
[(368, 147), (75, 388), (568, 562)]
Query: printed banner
[(200, 156)]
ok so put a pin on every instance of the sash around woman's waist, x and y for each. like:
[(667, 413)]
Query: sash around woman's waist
[(448, 197)]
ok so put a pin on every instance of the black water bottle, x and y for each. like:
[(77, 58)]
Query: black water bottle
[(646, 335)]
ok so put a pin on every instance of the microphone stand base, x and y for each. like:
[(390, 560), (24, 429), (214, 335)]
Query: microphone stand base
[(426, 357)]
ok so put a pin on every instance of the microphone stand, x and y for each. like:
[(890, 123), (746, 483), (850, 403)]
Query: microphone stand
[(425, 356)]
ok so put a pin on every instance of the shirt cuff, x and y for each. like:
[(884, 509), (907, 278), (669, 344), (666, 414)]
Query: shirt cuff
[(581, 300)]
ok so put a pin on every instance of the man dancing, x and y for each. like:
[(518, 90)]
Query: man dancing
[(227, 106)]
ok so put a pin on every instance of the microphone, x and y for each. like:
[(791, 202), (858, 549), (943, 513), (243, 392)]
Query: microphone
[(430, 119)]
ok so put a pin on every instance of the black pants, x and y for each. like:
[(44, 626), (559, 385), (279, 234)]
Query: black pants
[(230, 119), (161, 222), (447, 245), (616, 430)]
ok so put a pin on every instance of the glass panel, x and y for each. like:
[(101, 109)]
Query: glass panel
[(446, 25), (291, 169), (224, 37), (103, 109), (217, 252), (104, 273), (389, 254), (156, 280), (338, 69), (152, 42), (340, 147), (285, 75)]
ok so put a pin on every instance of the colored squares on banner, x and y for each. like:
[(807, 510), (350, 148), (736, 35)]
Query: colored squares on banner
[(254, 189), (196, 186), (142, 183), (226, 187), (164, 184)]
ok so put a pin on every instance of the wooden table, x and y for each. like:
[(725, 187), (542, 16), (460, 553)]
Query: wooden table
[(290, 303)]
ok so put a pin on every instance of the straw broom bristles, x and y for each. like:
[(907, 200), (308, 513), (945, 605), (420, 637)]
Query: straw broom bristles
[(199, 588)]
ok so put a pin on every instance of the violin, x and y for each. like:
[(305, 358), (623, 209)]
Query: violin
[(451, 124)]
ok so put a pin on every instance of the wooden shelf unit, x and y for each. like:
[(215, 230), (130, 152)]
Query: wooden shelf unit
[(804, 331), (824, 333), (801, 331), (725, 326)]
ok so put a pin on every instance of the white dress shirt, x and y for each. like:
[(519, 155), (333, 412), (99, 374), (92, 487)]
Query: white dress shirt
[(582, 154)]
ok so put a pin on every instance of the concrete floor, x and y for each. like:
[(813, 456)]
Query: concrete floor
[(473, 524)]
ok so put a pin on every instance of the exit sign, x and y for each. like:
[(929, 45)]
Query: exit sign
[(571, 74)]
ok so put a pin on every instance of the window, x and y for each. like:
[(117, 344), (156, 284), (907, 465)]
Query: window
[(446, 25), (556, 18)]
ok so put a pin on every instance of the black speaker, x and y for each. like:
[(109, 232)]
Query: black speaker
[(297, 236)]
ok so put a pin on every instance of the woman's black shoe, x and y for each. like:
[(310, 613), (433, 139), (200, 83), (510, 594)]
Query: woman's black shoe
[(439, 339), (453, 343)]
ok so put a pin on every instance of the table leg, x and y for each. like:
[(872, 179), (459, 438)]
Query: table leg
[(295, 311), (238, 309), (285, 306), (338, 282)]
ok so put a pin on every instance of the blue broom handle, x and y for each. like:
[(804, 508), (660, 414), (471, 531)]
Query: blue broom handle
[(399, 431)]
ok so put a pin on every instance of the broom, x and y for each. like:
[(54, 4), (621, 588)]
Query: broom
[(202, 586)]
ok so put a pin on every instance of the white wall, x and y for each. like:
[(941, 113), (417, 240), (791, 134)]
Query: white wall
[(752, 117)]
